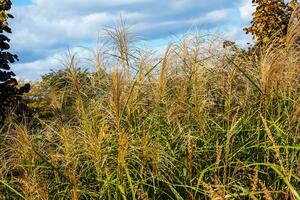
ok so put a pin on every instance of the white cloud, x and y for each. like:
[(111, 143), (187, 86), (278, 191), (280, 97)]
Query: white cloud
[(246, 10), (216, 15), (35, 69), (211, 17), (58, 60), (236, 33), (81, 3), (45, 28)]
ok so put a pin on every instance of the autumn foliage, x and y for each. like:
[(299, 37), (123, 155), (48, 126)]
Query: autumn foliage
[(270, 20)]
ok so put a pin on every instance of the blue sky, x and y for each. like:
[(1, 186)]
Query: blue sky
[(43, 30), (21, 2)]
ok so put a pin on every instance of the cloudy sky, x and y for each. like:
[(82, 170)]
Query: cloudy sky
[(43, 30)]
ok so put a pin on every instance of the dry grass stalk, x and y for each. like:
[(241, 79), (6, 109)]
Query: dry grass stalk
[(229, 135), (275, 149), (266, 192), (123, 143), (190, 155), (219, 150), (255, 180), (145, 148)]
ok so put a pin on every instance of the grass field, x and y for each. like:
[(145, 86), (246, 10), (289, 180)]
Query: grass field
[(198, 122)]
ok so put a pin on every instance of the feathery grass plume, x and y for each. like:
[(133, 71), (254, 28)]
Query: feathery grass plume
[(141, 194), (33, 187), (163, 74), (292, 37), (292, 51), (117, 90), (273, 65), (94, 145), (20, 146), (213, 193), (122, 39), (70, 154), (72, 66), (99, 78)]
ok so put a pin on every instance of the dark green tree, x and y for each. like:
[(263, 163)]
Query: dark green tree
[(10, 93)]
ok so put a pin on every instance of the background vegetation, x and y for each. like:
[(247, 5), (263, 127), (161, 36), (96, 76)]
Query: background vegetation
[(199, 122)]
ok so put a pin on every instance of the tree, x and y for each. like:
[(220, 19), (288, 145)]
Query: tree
[(10, 93), (270, 20)]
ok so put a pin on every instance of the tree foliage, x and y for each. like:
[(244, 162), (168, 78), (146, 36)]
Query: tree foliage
[(270, 20), (10, 93)]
